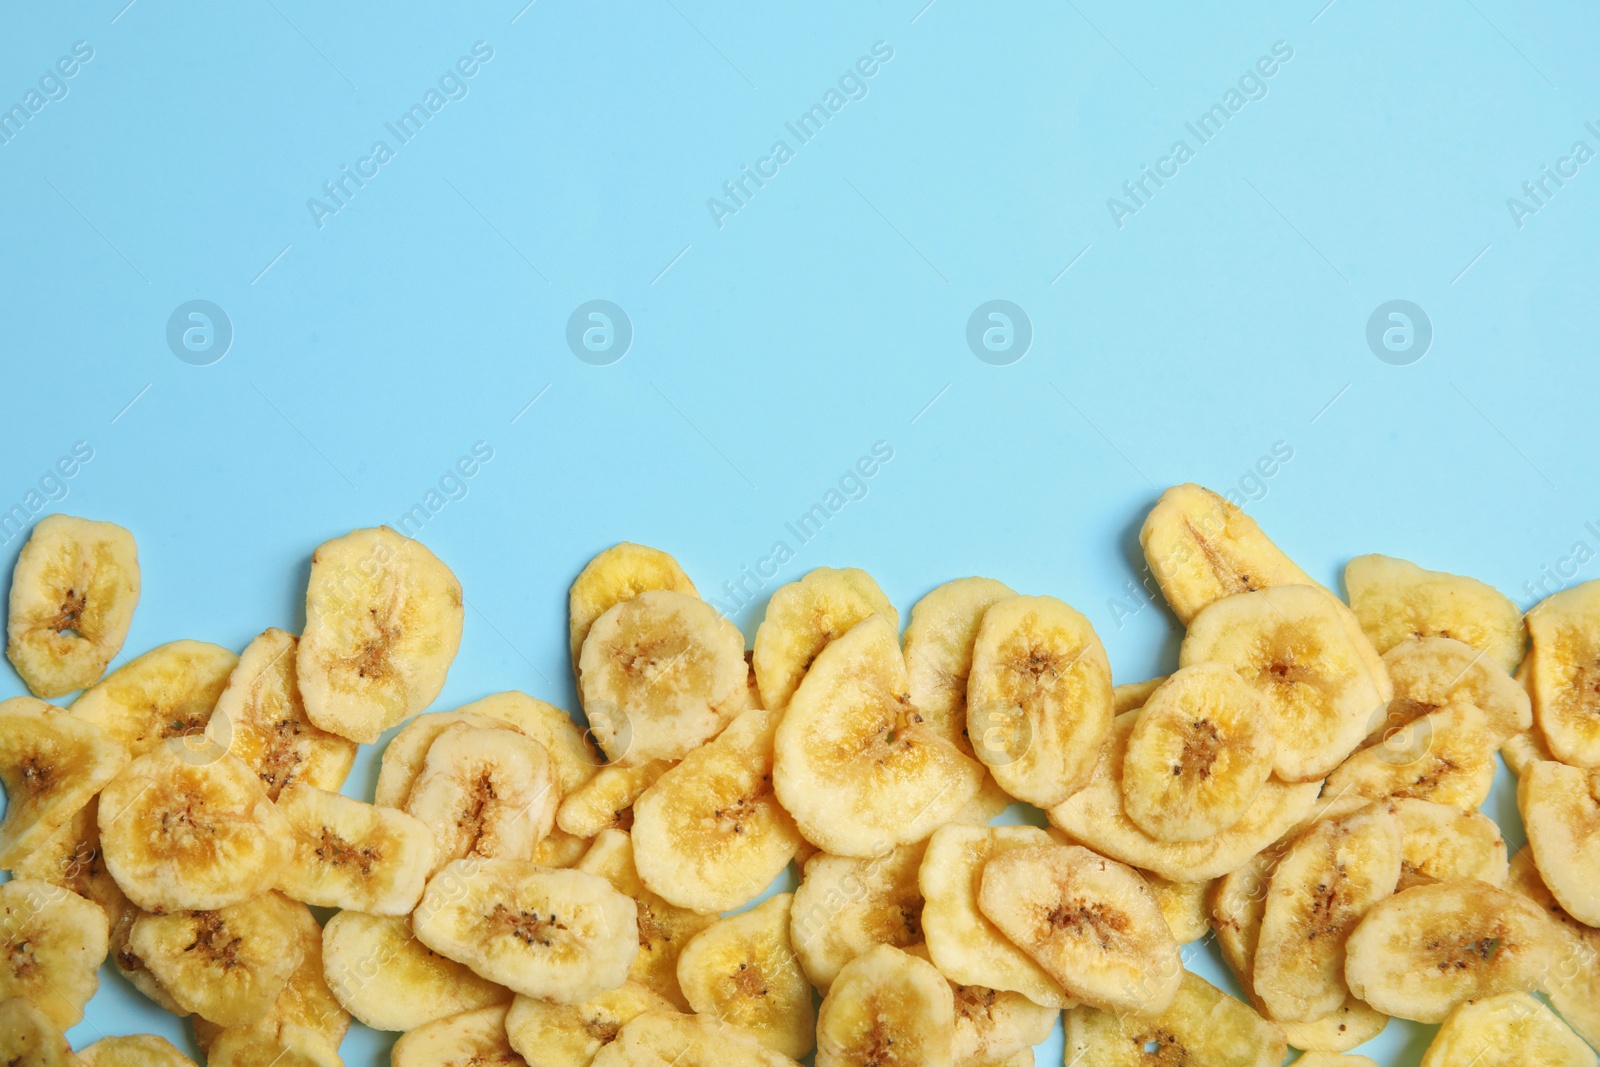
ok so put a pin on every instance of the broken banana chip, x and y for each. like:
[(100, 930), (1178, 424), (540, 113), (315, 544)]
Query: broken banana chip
[(485, 793), (52, 764), (137, 1050), (620, 573), (381, 974), (1396, 600), (348, 854), (1446, 756), (1441, 843), (29, 1039), (1565, 673), (1202, 1025), (855, 766), (571, 1035), (1200, 751), (657, 1039), (383, 623), (1560, 807), (471, 1039), (71, 859), (52, 942), (743, 971), (605, 802), (1506, 1031), (1038, 698), (844, 906), (167, 693), (802, 617), (889, 1009), (938, 644), (1432, 672)]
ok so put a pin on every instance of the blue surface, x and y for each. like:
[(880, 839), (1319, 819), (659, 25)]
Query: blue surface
[(373, 346)]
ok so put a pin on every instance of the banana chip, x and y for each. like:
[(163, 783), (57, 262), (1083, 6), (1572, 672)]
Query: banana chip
[(52, 943), (887, 1008), (138, 1050), (572, 755), (1130, 696), (52, 765), (485, 793), (407, 751), (1432, 672), (1329, 1059), (992, 1025), (938, 646), (1446, 756), (471, 1039), (1560, 807), (306, 1001), (1573, 984), (1441, 843), (1397, 600), (1506, 1031), (1565, 675), (383, 623), (380, 973), (284, 1045), (620, 573), (347, 854), (802, 617), (73, 592), (29, 1039), (605, 802), (169, 692), (560, 849), (1183, 906), (1202, 1025), (71, 859), (844, 906), (742, 970), (657, 1039), (571, 1035), (131, 966)]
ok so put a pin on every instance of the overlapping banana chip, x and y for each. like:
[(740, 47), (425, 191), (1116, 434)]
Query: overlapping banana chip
[(1564, 677), (1441, 843), (605, 802), (571, 1035), (348, 854), (1506, 1031), (1446, 756), (1573, 983), (802, 617), (659, 1039), (1397, 601), (889, 1009), (71, 858), (29, 1039), (268, 1045), (1183, 906), (489, 793), (167, 693), (1560, 807), (1432, 672), (131, 966), (52, 942), (620, 573), (306, 1000), (381, 974), (472, 1039), (742, 970), (52, 764), (1130, 696), (938, 646), (135, 1050), (571, 753), (846, 905), (1201, 1025), (993, 1024)]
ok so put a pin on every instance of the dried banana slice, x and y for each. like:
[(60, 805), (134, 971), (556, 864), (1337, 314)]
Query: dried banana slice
[(991, 1024), (620, 573), (137, 1050), (228, 965), (710, 834), (348, 854), (1565, 673), (560, 935), (802, 617), (1130, 696), (938, 643), (1291, 643), (1446, 756), (169, 692), (486, 793), (571, 1035), (657, 1039), (1420, 953), (1354, 1024), (407, 751), (285, 1045), (71, 859), (1560, 807), (131, 966), (889, 1009), (1523, 750), (1203, 1025), (29, 1039), (1038, 698), (1573, 984), (605, 802), (1432, 672), (1506, 1031), (1441, 843), (560, 849), (1324, 885), (179, 835), (52, 942), (73, 592), (844, 906), (743, 971), (260, 718), (1200, 751), (571, 753), (1183, 906), (381, 974), (52, 764), (306, 1001), (383, 623), (471, 1039), (1396, 600), (855, 766)]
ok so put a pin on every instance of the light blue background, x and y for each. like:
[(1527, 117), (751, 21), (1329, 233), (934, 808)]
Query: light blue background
[(1226, 316)]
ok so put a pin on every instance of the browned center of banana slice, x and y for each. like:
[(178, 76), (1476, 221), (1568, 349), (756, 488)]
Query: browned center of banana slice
[(1446, 756), (743, 971), (347, 854), (485, 792), (52, 765), (890, 1009)]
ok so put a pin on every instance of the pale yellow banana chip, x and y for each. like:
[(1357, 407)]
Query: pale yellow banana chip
[(167, 693), (269, 1045), (1202, 1025), (1523, 750), (1441, 842), (383, 623), (136, 1050), (1396, 601), (605, 802), (742, 970), (348, 854), (560, 849), (407, 751), (938, 646), (489, 793), (131, 966), (887, 1008), (1130, 696), (1564, 677), (1573, 983), (571, 1035), (620, 573), (657, 1039), (802, 617), (845, 905), (71, 859), (1183, 906), (709, 835), (73, 592), (381, 974), (992, 1024), (52, 942), (29, 1039), (1354, 1024), (306, 1001), (1446, 756), (471, 1039), (572, 754), (1560, 807), (1506, 1031), (52, 765), (1432, 672)]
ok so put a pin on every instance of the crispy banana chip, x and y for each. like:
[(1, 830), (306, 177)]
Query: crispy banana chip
[(52, 942), (743, 971), (1432, 672), (709, 835), (348, 854), (1183, 906), (407, 751), (1422, 952), (306, 1001), (29, 1039), (73, 592), (71, 859), (266, 1045), (383, 623), (1441, 843), (1200, 751), (845, 906), (485, 793), (1202, 1025), (1560, 807), (620, 573), (1573, 984), (605, 802), (471, 1039), (1130, 696), (52, 765), (389, 980), (1446, 756), (1506, 1031), (137, 1050), (169, 692), (1038, 698), (131, 966), (560, 849), (571, 753), (1523, 750), (1565, 674), (992, 1024), (938, 643), (802, 617), (571, 1035), (1396, 600), (657, 1039), (889, 1009)]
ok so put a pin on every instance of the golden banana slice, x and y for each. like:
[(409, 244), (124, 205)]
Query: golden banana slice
[(29, 1039), (620, 573), (1420, 953), (71, 859), (190, 835), (131, 966), (1321, 889), (1130, 696), (991, 1024), (1560, 807), (348, 854), (306, 1001), (73, 592), (855, 766), (743, 971), (1446, 756), (802, 617), (407, 751), (1523, 750), (560, 935), (1202, 1025), (169, 692), (1200, 751), (1038, 698), (845, 905), (137, 1050), (1396, 600), (657, 1039), (260, 718), (228, 965), (938, 642), (383, 623), (1202, 548), (560, 849), (571, 1035), (1506, 1031), (52, 765), (486, 793), (381, 974), (471, 1039), (1432, 672), (1183, 906), (1441, 843), (571, 753), (52, 942), (1291, 643), (709, 835), (1573, 985), (1565, 673), (887, 1008), (266, 1045), (605, 802)]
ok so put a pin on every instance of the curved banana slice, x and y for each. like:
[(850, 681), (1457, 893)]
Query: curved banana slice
[(572, 755), (137, 1050), (1202, 1025), (389, 980), (228, 965), (889, 1009), (1183, 906), (131, 966), (1354, 1024), (1396, 601), (1446, 756), (1321, 889), (855, 766), (260, 718), (1441, 843), (487, 793), (1200, 751), (743, 971), (657, 1039), (1291, 643), (52, 765), (560, 849), (285, 1045), (1573, 985), (938, 644), (1560, 807), (605, 802), (29, 1039), (52, 942), (560, 935), (1130, 696), (1506, 1031), (169, 692), (407, 751), (184, 835), (571, 1035), (1565, 674), (992, 1024), (1038, 698), (306, 1001), (620, 573), (844, 906), (1420, 953), (71, 859), (348, 854), (802, 617), (73, 592), (471, 1039), (1432, 672), (1523, 750), (709, 835), (383, 623)]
